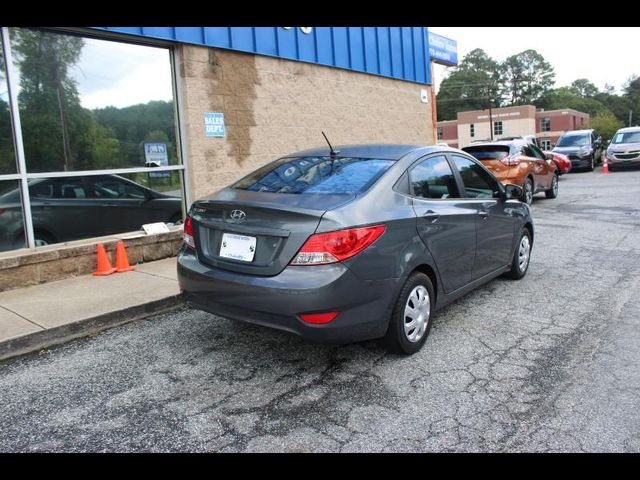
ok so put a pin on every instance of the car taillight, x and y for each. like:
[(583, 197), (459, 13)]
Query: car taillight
[(187, 236), (510, 160), (331, 247), (2, 210)]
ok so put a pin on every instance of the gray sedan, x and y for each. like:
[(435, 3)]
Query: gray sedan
[(361, 243)]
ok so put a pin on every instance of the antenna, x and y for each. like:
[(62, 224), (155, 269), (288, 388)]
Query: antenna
[(332, 152)]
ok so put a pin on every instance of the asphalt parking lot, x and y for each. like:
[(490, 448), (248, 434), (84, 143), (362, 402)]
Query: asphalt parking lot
[(548, 363)]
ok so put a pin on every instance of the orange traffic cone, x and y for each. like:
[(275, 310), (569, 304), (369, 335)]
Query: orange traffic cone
[(605, 167), (104, 265), (122, 262)]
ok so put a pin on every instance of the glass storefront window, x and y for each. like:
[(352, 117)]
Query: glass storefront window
[(11, 217), (89, 104), (7, 151), (72, 208)]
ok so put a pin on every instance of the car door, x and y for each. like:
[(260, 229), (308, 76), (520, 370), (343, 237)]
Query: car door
[(61, 206), (124, 204), (445, 221), (542, 168), (495, 225)]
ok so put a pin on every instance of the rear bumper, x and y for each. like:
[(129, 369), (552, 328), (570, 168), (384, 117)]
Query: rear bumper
[(365, 306)]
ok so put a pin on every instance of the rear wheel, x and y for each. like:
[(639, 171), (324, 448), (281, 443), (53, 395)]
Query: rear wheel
[(41, 239), (411, 319), (521, 257), (553, 191)]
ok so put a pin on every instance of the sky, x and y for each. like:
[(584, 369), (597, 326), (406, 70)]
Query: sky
[(120, 74), (600, 54)]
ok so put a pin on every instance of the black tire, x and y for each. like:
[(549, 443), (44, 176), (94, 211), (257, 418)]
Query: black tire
[(517, 270), (591, 164), (397, 340), (553, 191), (42, 239), (176, 219), (527, 195)]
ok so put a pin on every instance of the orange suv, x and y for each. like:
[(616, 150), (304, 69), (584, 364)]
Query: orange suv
[(521, 163)]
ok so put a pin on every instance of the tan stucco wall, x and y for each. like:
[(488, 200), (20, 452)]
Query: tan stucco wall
[(273, 106)]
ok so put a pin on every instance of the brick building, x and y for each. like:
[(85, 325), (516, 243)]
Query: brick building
[(547, 126)]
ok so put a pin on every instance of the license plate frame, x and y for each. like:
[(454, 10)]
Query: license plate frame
[(241, 248)]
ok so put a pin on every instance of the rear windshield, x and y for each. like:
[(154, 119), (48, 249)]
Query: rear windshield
[(573, 141), (627, 137), (488, 152), (315, 175)]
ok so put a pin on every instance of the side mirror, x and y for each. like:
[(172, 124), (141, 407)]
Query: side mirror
[(513, 191), (549, 156), (553, 145)]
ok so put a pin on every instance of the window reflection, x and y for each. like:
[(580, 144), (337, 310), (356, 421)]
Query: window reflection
[(7, 151), (11, 218), (72, 208), (88, 104)]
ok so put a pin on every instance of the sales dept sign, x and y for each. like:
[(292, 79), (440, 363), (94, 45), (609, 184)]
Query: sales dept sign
[(214, 124)]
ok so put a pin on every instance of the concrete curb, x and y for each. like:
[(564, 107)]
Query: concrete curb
[(81, 328)]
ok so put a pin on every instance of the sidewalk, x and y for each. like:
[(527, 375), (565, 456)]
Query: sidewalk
[(40, 316)]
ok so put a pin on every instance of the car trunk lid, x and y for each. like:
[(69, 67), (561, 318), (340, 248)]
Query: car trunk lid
[(256, 232)]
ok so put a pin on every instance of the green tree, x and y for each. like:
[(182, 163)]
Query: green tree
[(58, 133), (606, 124), (527, 76), (472, 85), (47, 95), (569, 97), (585, 87), (632, 95)]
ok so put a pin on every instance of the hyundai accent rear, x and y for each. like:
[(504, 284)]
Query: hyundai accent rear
[(357, 244), (251, 252)]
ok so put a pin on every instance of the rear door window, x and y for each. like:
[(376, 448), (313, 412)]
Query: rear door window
[(433, 178), (316, 175)]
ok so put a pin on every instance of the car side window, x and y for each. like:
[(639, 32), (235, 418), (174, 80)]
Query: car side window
[(68, 188), (478, 183), (537, 153), (114, 188), (433, 178)]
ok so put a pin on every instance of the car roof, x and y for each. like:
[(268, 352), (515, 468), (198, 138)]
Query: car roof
[(628, 129), (578, 132), (367, 150), (505, 143)]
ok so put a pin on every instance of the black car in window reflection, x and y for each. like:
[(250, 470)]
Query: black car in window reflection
[(72, 208)]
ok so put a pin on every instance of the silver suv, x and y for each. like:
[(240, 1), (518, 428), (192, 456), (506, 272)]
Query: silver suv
[(624, 149)]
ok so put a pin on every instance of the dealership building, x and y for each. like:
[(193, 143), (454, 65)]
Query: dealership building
[(105, 129), (546, 125)]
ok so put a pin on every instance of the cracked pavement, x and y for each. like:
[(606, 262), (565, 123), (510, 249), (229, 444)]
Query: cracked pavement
[(547, 363)]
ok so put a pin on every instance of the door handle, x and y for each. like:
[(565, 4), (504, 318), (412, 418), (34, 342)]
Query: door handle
[(431, 215), (483, 214)]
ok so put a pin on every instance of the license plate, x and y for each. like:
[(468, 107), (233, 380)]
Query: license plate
[(238, 247)]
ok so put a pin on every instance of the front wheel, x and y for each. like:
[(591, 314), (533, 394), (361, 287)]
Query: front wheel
[(521, 257), (411, 319), (553, 191), (591, 164)]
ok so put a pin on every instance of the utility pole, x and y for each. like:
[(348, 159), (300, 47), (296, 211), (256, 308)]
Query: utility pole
[(490, 113)]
